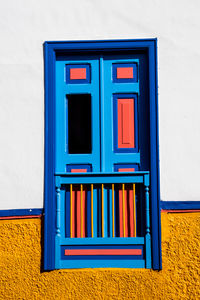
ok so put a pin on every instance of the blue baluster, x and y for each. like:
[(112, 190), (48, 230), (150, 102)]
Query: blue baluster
[(58, 203), (147, 235)]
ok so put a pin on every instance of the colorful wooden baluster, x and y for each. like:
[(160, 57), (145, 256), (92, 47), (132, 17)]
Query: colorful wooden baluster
[(113, 210), (58, 204), (102, 210), (92, 212)]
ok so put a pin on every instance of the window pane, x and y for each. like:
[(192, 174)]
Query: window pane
[(79, 123)]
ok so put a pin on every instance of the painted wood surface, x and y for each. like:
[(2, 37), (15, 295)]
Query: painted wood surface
[(103, 252), (125, 72), (127, 210), (127, 103), (126, 130), (77, 73), (78, 207)]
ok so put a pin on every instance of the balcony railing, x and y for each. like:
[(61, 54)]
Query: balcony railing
[(103, 208)]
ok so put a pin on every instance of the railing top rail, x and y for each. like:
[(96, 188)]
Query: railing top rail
[(102, 174), (98, 178)]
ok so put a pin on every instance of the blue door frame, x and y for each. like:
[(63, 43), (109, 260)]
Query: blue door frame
[(51, 50)]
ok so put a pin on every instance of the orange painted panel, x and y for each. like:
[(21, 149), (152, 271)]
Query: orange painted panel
[(131, 212), (103, 252), (78, 170), (78, 212), (76, 208), (77, 73), (126, 169), (126, 128), (121, 229), (129, 208), (84, 212), (73, 213), (125, 72)]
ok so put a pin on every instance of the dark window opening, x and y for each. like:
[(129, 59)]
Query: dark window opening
[(79, 123)]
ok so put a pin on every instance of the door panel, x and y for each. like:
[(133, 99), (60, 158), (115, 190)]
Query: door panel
[(77, 81), (121, 93), (126, 128), (125, 112), (125, 123)]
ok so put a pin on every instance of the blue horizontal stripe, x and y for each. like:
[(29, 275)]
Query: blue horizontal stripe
[(21, 212), (165, 205), (102, 241), (96, 263), (179, 205), (102, 247), (102, 257), (98, 178)]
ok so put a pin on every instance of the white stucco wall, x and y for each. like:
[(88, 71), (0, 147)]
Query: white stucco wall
[(25, 25)]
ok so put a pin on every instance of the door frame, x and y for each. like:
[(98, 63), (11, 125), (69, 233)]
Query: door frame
[(51, 50)]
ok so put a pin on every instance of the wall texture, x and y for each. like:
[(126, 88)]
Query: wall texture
[(21, 276), (25, 25)]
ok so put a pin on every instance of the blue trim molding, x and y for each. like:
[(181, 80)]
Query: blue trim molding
[(21, 212), (49, 163), (165, 205), (180, 205)]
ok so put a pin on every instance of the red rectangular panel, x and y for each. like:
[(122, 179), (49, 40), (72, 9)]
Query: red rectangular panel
[(129, 209), (78, 214), (121, 229), (103, 252), (73, 213), (77, 73), (126, 127), (131, 212), (126, 169), (76, 208), (125, 73), (78, 170)]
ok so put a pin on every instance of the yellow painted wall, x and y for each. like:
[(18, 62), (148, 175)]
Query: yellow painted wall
[(21, 276)]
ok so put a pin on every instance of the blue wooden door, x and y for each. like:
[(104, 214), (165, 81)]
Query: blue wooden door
[(116, 88)]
